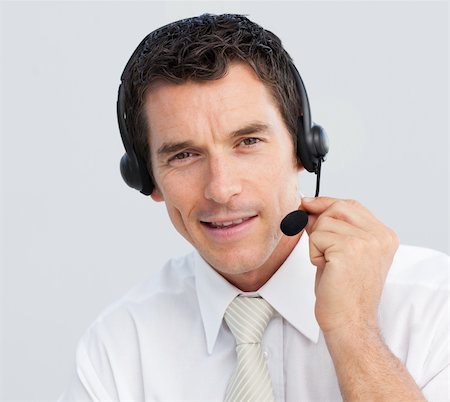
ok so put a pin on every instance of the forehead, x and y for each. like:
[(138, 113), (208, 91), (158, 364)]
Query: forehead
[(215, 106)]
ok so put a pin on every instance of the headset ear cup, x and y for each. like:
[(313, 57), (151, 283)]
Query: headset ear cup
[(130, 172), (312, 146), (147, 185), (132, 167), (303, 148), (136, 175), (320, 142)]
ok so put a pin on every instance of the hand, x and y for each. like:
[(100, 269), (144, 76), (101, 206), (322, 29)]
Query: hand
[(353, 252)]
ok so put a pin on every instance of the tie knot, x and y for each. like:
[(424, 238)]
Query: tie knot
[(247, 318)]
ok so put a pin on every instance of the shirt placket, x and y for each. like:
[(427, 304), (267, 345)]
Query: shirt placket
[(272, 347)]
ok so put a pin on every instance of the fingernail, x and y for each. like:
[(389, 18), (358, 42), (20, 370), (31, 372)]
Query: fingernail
[(308, 199)]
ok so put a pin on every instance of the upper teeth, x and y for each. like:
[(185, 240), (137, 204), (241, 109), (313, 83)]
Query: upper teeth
[(236, 222)]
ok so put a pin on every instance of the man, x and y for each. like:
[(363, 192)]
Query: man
[(336, 311)]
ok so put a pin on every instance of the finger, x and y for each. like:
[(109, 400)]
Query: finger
[(319, 273), (316, 205), (321, 243), (326, 223), (327, 246), (349, 211)]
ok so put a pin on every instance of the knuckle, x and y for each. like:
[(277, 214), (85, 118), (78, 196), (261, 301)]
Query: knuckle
[(346, 205), (313, 237), (322, 222), (394, 239), (353, 203), (376, 242), (354, 244), (388, 240), (341, 203), (339, 207)]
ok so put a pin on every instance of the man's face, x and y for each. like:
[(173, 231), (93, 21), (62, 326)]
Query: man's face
[(224, 164)]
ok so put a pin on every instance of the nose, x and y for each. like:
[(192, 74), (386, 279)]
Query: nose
[(222, 181)]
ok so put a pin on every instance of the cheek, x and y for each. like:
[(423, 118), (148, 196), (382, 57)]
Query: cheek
[(281, 175), (181, 197), (285, 192)]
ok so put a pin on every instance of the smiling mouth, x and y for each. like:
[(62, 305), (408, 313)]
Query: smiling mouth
[(226, 225)]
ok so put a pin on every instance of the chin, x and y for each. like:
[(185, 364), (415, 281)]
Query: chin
[(240, 261)]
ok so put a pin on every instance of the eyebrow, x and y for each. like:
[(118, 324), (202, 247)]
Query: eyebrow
[(252, 128), (174, 147)]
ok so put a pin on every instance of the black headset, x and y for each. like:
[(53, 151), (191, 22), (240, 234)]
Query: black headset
[(312, 140)]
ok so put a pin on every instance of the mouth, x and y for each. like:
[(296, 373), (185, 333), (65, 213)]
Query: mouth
[(226, 224), (228, 229)]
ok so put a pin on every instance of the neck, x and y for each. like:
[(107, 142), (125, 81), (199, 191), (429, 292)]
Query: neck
[(253, 280)]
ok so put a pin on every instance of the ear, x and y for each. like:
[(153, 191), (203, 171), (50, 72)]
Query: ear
[(299, 166), (157, 195)]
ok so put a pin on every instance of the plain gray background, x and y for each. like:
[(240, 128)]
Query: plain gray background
[(74, 238)]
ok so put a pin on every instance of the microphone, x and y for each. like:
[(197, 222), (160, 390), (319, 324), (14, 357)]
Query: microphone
[(294, 222)]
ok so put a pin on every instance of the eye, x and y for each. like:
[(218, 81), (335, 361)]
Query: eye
[(181, 157), (250, 141)]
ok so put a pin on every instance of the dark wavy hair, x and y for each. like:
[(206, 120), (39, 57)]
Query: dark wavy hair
[(201, 48)]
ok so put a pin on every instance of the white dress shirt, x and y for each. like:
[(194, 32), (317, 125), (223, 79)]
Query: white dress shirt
[(166, 339)]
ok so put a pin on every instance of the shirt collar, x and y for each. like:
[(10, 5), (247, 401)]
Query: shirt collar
[(214, 294), (290, 291)]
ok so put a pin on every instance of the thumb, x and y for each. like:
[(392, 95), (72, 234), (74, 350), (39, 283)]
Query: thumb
[(316, 205)]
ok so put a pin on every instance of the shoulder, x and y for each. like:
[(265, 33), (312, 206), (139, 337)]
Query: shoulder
[(168, 292), (138, 323), (416, 294), (419, 267), (414, 309), (418, 280), (174, 277)]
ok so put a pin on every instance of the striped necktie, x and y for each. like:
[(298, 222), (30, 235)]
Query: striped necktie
[(247, 318)]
